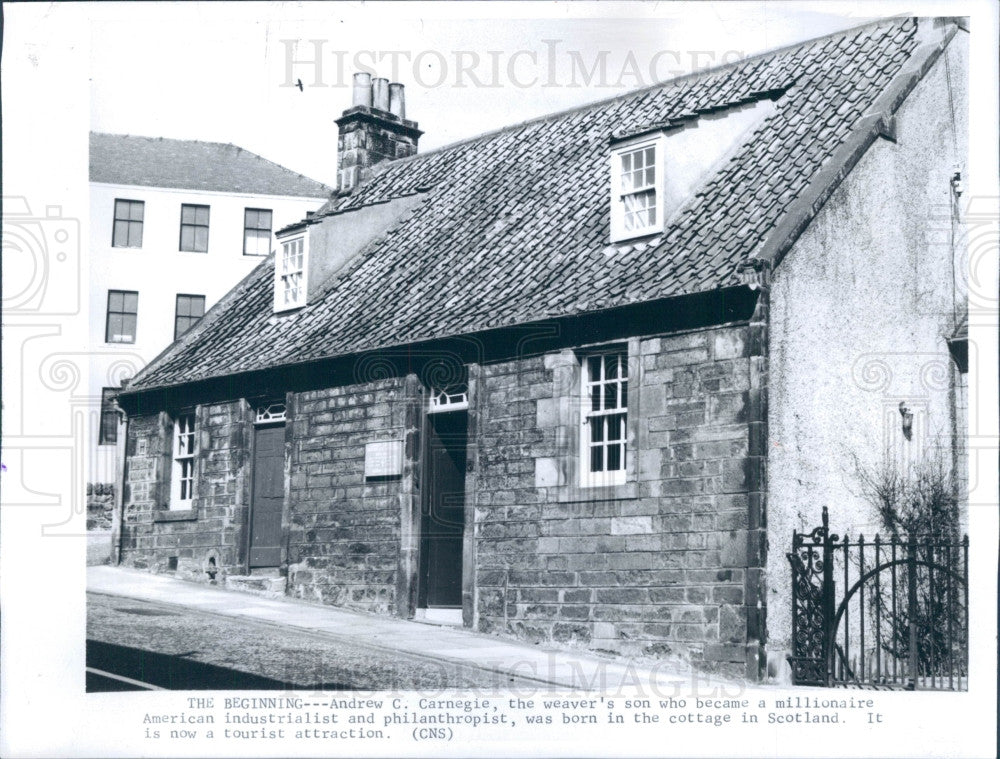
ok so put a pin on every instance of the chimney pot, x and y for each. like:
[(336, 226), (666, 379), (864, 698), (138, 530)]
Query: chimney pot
[(380, 94), (397, 102), (377, 132), (362, 89)]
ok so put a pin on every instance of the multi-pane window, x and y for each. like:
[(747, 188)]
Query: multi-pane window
[(123, 309), (638, 188), (108, 433), (128, 224), (194, 228), (182, 465), (190, 309), (605, 418), (256, 232), (292, 273)]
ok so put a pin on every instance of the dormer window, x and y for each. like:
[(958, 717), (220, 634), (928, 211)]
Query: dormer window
[(290, 275), (637, 189)]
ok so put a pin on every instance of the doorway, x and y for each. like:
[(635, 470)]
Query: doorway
[(267, 496), (442, 521)]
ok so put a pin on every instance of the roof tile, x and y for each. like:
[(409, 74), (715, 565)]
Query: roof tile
[(516, 226)]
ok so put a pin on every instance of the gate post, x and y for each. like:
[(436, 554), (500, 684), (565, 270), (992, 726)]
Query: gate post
[(813, 604), (829, 600)]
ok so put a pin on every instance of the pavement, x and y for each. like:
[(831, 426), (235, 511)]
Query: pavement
[(556, 668)]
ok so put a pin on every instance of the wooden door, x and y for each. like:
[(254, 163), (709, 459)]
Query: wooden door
[(268, 496), (443, 510)]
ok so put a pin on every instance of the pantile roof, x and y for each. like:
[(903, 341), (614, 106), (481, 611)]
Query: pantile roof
[(193, 165), (514, 225)]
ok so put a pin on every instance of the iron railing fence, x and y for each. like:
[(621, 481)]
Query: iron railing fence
[(880, 613)]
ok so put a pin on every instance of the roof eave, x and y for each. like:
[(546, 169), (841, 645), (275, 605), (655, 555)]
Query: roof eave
[(747, 290)]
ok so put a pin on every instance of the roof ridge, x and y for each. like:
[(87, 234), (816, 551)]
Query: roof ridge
[(388, 165)]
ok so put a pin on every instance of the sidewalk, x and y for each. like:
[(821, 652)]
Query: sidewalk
[(556, 668)]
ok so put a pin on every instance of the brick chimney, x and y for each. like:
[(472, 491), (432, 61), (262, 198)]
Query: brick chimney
[(372, 130)]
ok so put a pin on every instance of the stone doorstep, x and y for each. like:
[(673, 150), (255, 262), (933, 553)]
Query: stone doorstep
[(444, 617)]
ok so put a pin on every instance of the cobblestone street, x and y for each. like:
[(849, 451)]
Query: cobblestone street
[(249, 654)]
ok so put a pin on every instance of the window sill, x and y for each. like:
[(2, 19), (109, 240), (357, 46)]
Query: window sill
[(627, 491), (185, 515)]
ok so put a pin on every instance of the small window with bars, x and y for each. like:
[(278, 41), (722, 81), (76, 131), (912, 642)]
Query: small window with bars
[(187, 313), (182, 466), (256, 232), (194, 228), (604, 419), (128, 224), (291, 274)]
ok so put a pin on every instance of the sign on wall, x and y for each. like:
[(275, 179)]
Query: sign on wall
[(384, 459)]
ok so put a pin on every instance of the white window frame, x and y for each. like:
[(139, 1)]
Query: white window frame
[(290, 293), (258, 238), (589, 417), (183, 453), (619, 193), (451, 398), (272, 413)]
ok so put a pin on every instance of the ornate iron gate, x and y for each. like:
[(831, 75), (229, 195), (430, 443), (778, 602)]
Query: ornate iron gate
[(900, 619)]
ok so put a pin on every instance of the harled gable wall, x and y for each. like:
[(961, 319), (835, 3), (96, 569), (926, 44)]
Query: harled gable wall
[(860, 309)]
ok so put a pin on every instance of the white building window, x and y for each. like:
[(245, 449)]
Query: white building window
[(256, 231), (194, 228), (637, 189), (182, 463), (604, 421), (290, 275), (128, 223)]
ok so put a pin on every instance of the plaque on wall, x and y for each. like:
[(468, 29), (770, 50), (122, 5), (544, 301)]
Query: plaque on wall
[(384, 459)]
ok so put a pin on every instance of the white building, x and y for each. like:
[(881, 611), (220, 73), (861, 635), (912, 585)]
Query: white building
[(174, 224)]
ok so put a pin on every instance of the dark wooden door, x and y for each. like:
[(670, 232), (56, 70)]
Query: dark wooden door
[(268, 496), (443, 510)]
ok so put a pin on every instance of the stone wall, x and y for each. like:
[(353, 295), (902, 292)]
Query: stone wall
[(344, 534), (100, 505), (153, 535), (664, 565)]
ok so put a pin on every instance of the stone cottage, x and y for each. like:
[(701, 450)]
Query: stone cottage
[(576, 380)]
